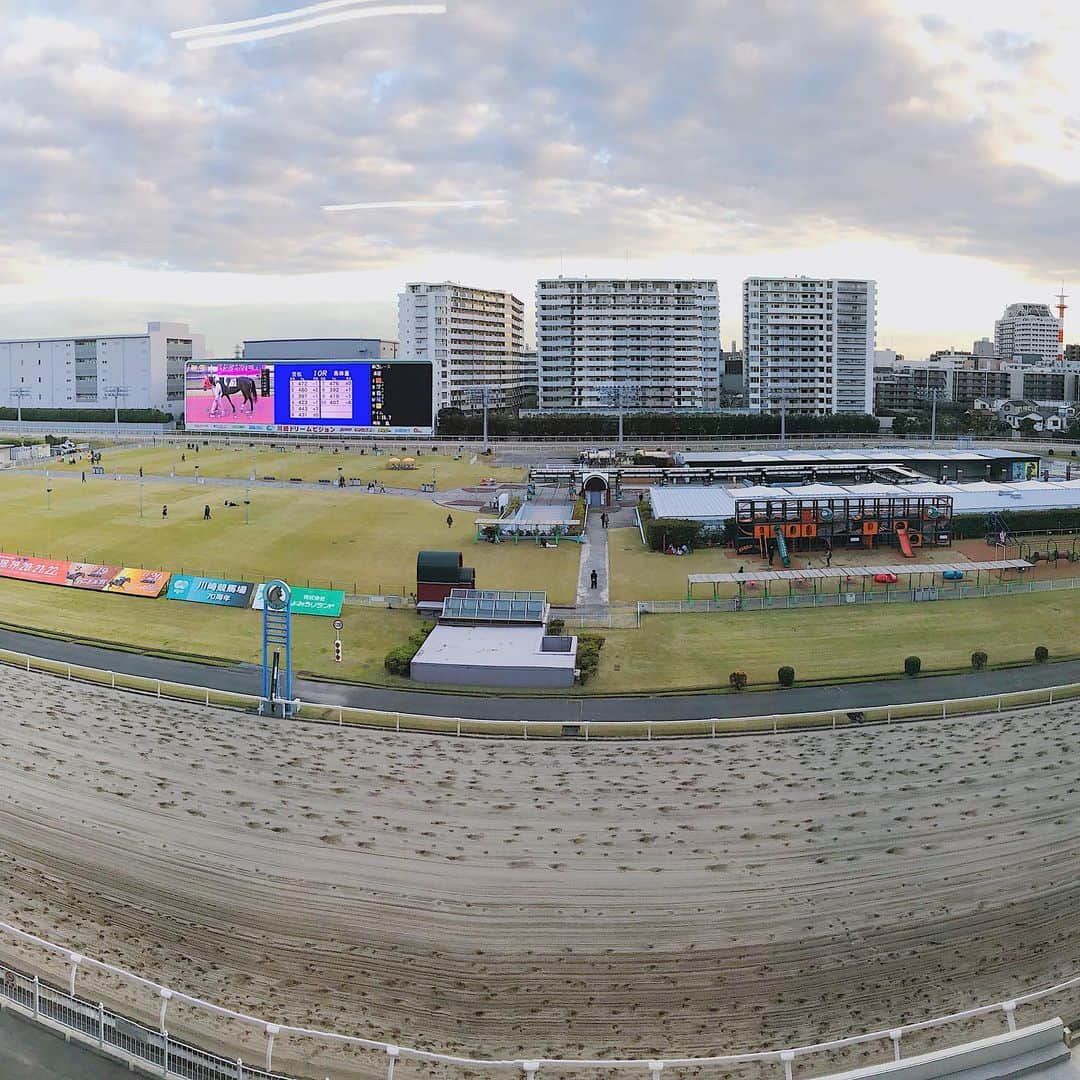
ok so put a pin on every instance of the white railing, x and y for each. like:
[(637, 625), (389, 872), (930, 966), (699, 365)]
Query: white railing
[(712, 727), (94, 1024)]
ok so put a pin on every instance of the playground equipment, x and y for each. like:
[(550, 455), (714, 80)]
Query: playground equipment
[(847, 521), (781, 549)]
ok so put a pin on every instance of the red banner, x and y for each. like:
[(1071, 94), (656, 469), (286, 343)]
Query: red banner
[(49, 571), (90, 575)]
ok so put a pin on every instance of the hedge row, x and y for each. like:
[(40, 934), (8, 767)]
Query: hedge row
[(88, 416), (974, 526), (454, 422), (399, 660)]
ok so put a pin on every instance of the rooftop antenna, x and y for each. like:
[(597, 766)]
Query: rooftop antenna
[(1061, 306)]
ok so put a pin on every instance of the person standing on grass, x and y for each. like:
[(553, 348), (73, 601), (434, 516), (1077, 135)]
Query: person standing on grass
[(84, 476), (206, 512), (449, 521), (164, 512)]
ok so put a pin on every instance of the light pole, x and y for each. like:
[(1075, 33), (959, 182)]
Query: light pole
[(932, 394), (617, 395), (18, 393), (116, 393), (480, 395)]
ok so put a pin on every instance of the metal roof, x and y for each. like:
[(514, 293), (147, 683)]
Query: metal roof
[(835, 572), (494, 605)]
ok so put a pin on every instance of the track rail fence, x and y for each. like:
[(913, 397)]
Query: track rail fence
[(714, 727), (92, 1024)]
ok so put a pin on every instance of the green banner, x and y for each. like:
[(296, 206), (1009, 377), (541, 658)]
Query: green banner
[(306, 601)]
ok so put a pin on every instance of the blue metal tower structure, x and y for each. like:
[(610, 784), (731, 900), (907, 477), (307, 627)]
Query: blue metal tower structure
[(277, 649)]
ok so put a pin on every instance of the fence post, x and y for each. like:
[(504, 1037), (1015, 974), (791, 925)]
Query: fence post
[(37, 996), (159, 688), (530, 1069), (165, 995), (787, 1057), (271, 1031), (655, 1069), (69, 672), (101, 1025), (239, 1069), (895, 1036), (525, 728), (112, 679), (27, 661), (75, 959), (208, 696), (165, 1055), (1009, 1008), (391, 1060)]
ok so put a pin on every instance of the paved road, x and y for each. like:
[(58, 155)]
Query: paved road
[(245, 679), (29, 1051)]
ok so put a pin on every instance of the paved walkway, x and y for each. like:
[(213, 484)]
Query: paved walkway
[(594, 557), (27, 1050)]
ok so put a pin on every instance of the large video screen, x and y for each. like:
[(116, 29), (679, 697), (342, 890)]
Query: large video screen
[(346, 397)]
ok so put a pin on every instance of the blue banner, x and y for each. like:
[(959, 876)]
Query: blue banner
[(211, 591)]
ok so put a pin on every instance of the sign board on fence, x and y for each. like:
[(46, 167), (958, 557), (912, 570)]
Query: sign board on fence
[(91, 575), (307, 601), (49, 571), (131, 581), (218, 591)]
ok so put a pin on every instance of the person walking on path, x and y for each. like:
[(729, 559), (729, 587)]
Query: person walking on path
[(593, 580), (449, 521), (84, 476), (140, 472), (206, 512), (164, 512)]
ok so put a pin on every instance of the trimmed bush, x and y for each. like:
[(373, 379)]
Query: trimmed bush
[(737, 680), (912, 665), (979, 659), (398, 660), (556, 626), (663, 533), (785, 676), (1042, 654), (588, 655)]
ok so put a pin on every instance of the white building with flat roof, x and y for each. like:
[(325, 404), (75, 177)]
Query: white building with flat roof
[(656, 338), (134, 371), (474, 338), (1027, 330), (809, 344)]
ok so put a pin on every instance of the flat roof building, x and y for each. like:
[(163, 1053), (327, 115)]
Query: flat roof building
[(133, 371), (321, 349)]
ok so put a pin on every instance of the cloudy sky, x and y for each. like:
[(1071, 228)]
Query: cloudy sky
[(932, 146)]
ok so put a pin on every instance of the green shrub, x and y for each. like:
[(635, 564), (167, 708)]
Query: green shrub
[(785, 676), (737, 680), (671, 532), (1042, 654), (979, 659), (912, 665), (588, 655), (398, 660), (556, 626)]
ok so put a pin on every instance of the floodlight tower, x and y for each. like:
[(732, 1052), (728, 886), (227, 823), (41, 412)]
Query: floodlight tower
[(1061, 306)]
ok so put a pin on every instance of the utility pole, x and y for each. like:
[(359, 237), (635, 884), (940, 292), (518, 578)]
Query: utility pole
[(116, 393), (617, 395), (480, 395), (18, 393)]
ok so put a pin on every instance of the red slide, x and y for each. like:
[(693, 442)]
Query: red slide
[(905, 543)]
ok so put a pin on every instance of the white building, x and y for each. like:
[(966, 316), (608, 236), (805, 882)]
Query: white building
[(809, 344), (1027, 330), (659, 339), (136, 371), (321, 349), (472, 337)]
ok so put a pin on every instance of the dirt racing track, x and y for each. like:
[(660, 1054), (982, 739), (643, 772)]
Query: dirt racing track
[(564, 899)]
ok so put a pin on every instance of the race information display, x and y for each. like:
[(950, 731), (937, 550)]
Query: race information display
[(336, 396)]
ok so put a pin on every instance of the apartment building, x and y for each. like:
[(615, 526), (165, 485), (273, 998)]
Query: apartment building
[(809, 344), (321, 349), (1027, 330), (135, 371), (474, 338), (658, 340)]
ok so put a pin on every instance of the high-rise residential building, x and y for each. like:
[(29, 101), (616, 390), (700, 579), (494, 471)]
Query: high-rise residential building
[(474, 338), (1027, 331), (97, 371), (656, 339), (983, 347), (809, 344)]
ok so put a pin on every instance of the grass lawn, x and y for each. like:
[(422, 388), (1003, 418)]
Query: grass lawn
[(312, 465), (359, 542), (218, 632), (688, 651)]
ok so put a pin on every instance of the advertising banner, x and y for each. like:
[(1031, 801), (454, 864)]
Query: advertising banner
[(305, 601), (90, 575), (132, 581), (211, 591), (49, 571)]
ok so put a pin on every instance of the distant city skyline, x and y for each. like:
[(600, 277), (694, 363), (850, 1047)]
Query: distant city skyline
[(938, 154)]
